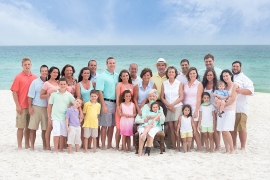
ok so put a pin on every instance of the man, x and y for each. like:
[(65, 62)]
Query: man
[(133, 69), (38, 107), (92, 65), (158, 78), (209, 63), (106, 83), (244, 90), (19, 90), (182, 75)]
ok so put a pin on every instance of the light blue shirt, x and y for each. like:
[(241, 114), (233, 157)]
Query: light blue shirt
[(143, 93), (86, 92), (94, 78), (34, 93), (106, 82), (202, 71)]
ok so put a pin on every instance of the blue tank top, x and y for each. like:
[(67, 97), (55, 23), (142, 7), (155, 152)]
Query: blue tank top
[(86, 93)]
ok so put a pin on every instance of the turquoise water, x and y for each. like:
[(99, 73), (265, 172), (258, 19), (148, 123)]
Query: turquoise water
[(255, 59)]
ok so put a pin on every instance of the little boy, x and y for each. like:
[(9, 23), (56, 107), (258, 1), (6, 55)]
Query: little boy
[(57, 108), (221, 95), (91, 110), (73, 127)]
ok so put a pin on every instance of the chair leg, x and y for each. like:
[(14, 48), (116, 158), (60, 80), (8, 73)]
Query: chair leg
[(136, 139), (162, 149)]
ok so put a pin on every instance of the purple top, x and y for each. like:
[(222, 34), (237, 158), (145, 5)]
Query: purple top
[(73, 116)]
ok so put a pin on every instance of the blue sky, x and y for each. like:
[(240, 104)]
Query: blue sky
[(134, 22)]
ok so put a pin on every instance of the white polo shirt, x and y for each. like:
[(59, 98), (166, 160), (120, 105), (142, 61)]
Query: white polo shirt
[(181, 77), (136, 81), (242, 100)]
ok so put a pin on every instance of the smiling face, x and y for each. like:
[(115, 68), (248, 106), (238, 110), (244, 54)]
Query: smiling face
[(186, 111), (92, 66), (171, 73), (152, 97), (26, 65), (54, 74), (62, 86), (44, 72), (209, 63), (161, 67), (193, 75), (210, 76), (111, 64), (221, 86), (205, 98), (127, 97), (184, 67), (227, 77), (77, 103), (125, 77), (155, 108), (236, 68), (86, 74), (133, 69), (68, 72), (146, 77), (93, 97)]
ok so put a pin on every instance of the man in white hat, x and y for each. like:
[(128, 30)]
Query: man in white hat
[(158, 78)]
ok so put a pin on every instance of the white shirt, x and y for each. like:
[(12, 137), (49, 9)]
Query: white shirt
[(207, 115), (136, 81), (182, 78), (171, 91), (185, 124), (242, 100)]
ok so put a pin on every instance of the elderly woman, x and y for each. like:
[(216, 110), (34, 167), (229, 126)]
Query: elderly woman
[(172, 96), (225, 124), (67, 72), (152, 97), (141, 90), (193, 90)]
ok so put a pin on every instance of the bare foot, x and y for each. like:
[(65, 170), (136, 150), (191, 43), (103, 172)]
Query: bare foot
[(85, 151), (103, 148), (27, 147), (19, 148), (232, 152), (48, 149), (242, 148), (70, 152), (110, 147), (94, 150), (32, 149)]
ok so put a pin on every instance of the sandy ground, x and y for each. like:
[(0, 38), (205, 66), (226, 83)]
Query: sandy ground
[(253, 163)]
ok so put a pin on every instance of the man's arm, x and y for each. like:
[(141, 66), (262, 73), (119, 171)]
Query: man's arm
[(15, 98)]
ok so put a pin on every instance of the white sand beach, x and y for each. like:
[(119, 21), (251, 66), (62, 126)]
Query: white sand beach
[(253, 163)]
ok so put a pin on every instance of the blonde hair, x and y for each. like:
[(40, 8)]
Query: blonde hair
[(220, 82), (25, 59)]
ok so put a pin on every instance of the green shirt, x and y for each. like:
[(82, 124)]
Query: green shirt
[(60, 104), (106, 82)]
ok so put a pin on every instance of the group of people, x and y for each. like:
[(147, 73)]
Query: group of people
[(190, 104)]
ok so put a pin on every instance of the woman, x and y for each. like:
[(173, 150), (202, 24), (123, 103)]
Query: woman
[(193, 90), (84, 86), (152, 97), (172, 96), (68, 72), (225, 124), (124, 83), (141, 90), (48, 88), (209, 84), (83, 89)]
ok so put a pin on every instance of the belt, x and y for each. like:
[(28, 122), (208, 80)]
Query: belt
[(105, 99)]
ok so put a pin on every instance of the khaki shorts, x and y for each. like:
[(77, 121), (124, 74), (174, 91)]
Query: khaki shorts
[(186, 134), (39, 116), (74, 135), (240, 122), (93, 132), (22, 120), (173, 116)]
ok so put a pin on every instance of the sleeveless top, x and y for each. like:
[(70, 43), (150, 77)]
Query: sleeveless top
[(171, 91), (71, 87), (86, 92), (143, 93), (185, 124), (190, 94), (231, 107), (123, 88)]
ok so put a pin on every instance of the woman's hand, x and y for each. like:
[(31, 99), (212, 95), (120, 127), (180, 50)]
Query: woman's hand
[(140, 112), (171, 108), (195, 115)]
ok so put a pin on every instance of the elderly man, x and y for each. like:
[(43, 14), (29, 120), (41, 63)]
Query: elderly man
[(209, 63), (133, 69), (245, 89), (106, 84), (158, 78), (92, 65), (182, 75)]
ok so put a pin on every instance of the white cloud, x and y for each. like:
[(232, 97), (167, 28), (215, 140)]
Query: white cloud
[(210, 19)]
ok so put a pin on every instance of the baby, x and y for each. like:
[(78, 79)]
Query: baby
[(221, 95)]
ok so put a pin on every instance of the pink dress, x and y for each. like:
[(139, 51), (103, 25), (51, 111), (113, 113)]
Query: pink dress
[(190, 95), (126, 124), (117, 117)]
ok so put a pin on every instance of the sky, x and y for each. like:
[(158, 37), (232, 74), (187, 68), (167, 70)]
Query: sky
[(134, 22)]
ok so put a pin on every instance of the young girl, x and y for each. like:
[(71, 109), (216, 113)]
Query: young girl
[(152, 116), (127, 114), (207, 121), (186, 126)]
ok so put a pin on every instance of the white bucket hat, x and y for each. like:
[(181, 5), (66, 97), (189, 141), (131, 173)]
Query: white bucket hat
[(161, 60)]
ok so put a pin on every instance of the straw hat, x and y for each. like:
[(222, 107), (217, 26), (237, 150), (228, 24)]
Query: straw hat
[(161, 60)]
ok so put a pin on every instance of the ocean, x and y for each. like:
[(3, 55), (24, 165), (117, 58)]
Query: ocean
[(255, 58)]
